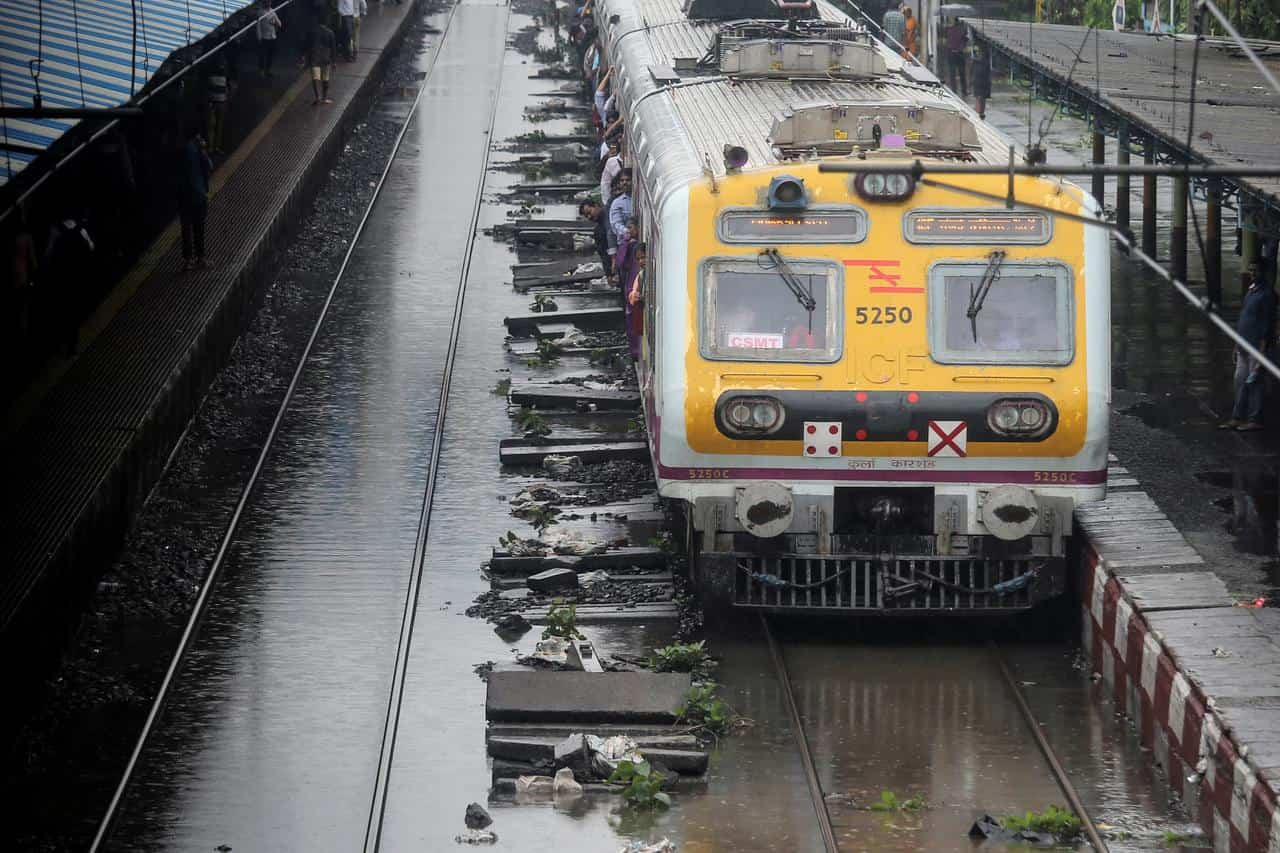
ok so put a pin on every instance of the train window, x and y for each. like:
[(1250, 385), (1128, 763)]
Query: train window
[(846, 224), (758, 310), (986, 227), (1023, 315)]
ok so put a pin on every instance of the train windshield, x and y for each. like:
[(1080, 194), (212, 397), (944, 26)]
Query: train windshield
[(760, 310), (1024, 317)]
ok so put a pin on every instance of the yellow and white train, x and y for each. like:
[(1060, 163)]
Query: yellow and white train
[(867, 393)]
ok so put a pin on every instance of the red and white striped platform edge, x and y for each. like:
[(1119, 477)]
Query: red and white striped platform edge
[(1205, 766)]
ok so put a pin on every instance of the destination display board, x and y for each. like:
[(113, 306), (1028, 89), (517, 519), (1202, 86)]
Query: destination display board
[(996, 227), (812, 226)]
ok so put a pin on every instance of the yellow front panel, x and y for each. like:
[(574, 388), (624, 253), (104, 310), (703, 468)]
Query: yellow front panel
[(884, 272)]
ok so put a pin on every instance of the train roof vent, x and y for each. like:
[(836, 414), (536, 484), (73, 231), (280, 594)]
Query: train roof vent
[(840, 128), (802, 58), (710, 10)]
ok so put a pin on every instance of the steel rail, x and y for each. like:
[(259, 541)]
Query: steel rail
[(802, 742), (1059, 772), (211, 580), (395, 701)]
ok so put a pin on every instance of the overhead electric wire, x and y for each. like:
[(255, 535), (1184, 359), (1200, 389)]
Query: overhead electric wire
[(1047, 123), (1125, 238)]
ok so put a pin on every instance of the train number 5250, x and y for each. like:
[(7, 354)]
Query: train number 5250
[(878, 316)]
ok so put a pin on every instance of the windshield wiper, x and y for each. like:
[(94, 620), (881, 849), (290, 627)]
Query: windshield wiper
[(979, 296), (792, 281)]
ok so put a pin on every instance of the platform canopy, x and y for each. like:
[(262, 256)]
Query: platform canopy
[(84, 50)]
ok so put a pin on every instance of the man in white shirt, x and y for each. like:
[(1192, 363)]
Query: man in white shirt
[(612, 166), (269, 26)]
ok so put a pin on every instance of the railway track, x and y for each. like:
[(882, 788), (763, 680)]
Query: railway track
[(819, 797), (208, 591)]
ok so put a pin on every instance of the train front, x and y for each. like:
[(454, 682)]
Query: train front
[(875, 394)]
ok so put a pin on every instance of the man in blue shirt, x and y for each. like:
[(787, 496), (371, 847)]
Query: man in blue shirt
[(1256, 325)]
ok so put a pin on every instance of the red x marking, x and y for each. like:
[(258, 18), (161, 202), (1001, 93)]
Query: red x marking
[(892, 279), (945, 439)]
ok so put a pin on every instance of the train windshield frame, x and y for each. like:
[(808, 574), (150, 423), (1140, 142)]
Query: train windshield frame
[(844, 224), (1027, 315), (748, 312)]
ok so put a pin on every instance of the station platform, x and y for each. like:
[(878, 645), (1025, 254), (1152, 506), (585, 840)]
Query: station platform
[(83, 448), (1196, 669)]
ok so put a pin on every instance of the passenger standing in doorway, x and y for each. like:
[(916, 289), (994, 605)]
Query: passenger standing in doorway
[(895, 24), (957, 35), (1257, 326), (217, 90), (599, 219), (634, 308), (981, 78), (269, 26), (194, 169), (320, 56), (621, 208)]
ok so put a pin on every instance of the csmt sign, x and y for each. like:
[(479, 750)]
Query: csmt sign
[(754, 340)]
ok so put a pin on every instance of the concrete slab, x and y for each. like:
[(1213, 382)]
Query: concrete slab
[(1176, 590), (645, 697)]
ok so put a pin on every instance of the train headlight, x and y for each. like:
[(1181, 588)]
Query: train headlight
[(879, 186), (1018, 417), (751, 415), (787, 193)]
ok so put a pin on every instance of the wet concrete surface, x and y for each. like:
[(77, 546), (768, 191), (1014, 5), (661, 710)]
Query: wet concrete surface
[(1172, 384)]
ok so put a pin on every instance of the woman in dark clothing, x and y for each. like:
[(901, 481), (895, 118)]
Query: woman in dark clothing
[(981, 79)]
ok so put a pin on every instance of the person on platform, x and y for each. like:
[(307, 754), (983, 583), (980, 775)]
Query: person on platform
[(269, 26), (362, 11), (217, 90), (911, 39), (346, 28), (68, 264), (957, 35), (194, 169), (595, 213), (981, 78), (895, 24), (321, 53), (1257, 326)]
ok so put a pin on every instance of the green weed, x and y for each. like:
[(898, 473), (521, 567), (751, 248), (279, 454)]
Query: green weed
[(1060, 822), (642, 785), (562, 621), (683, 657), (503, 388), (531, 423), (703, 709), (889, 802)]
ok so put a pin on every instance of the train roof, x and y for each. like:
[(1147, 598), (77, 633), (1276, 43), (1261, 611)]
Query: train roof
[(681, 110)]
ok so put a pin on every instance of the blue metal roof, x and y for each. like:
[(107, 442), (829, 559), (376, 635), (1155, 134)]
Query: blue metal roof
[(86, 47)]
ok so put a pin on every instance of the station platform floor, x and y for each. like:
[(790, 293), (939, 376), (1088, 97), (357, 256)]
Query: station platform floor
[(84, 444)]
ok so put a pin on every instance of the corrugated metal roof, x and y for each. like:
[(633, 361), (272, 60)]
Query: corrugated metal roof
[(85, 50), (697, 116)]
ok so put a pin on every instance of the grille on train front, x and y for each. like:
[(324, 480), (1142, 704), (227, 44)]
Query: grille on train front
[(811, 582)]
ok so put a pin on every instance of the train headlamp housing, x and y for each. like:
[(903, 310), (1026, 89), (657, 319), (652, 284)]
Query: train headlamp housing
[(1020, 417), (751, 416), (787, 193), (884, 186)]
